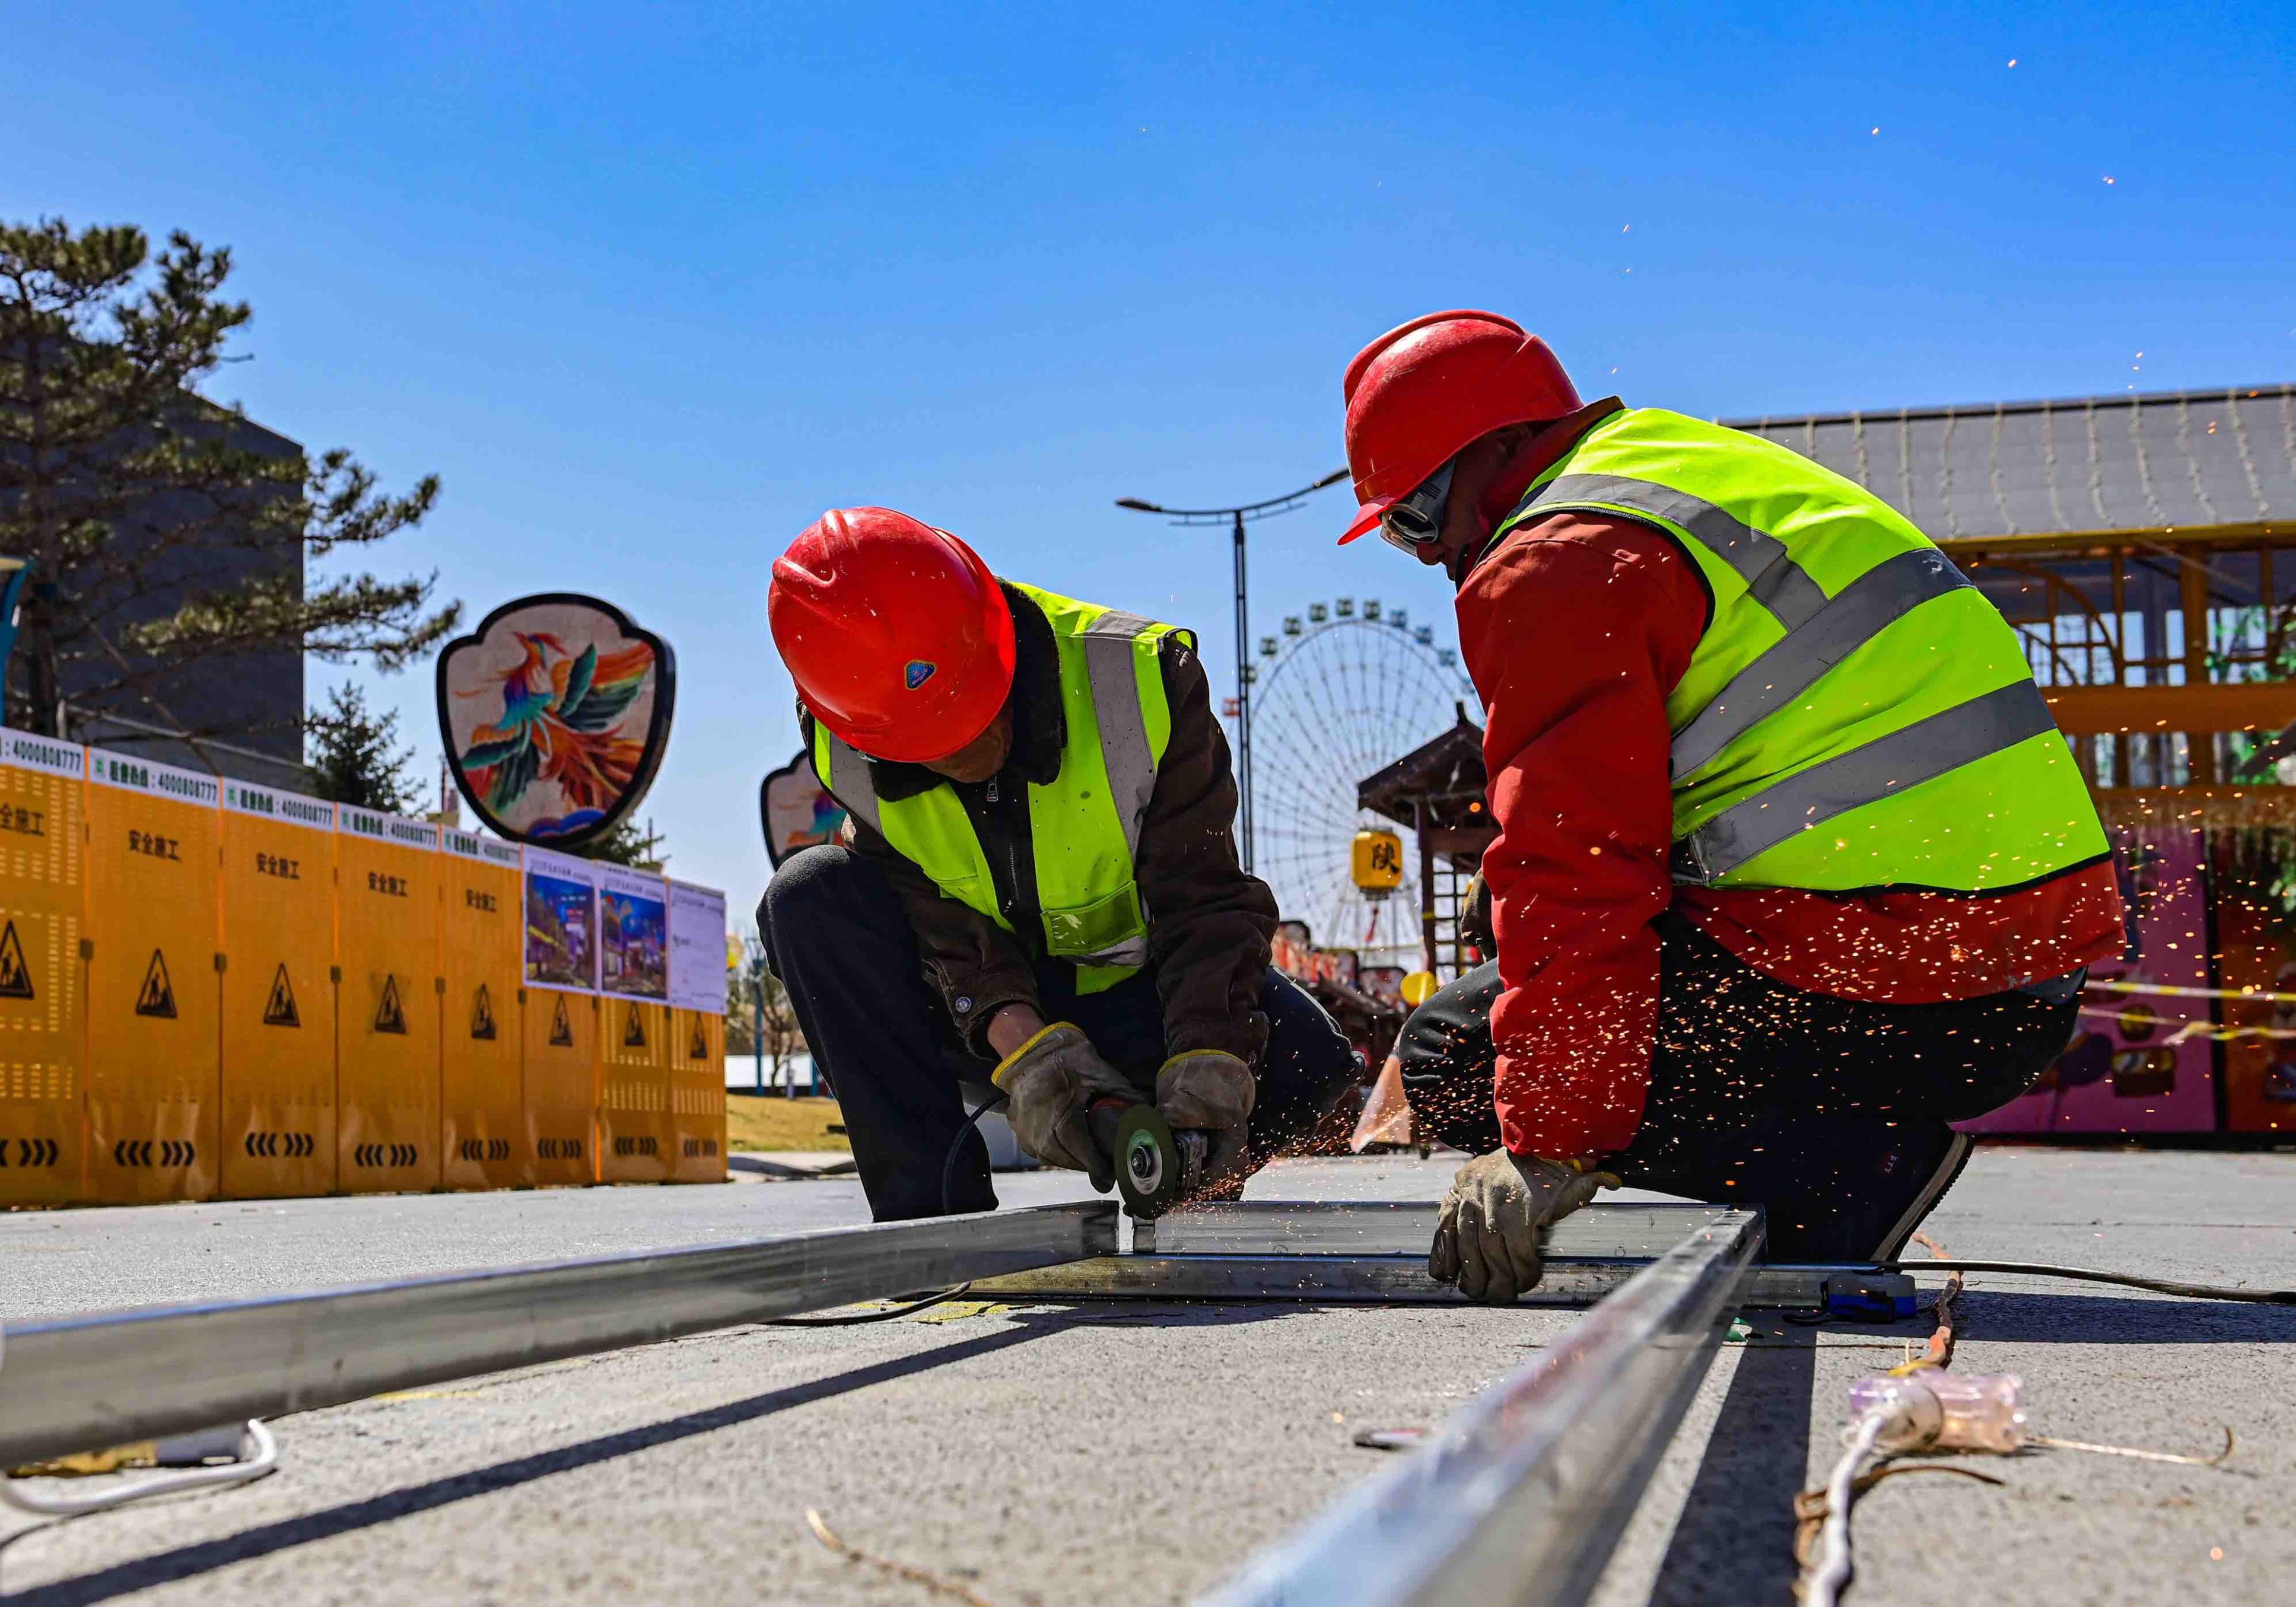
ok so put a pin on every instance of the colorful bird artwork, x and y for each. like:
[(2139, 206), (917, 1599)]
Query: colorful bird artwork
[(555, 716)]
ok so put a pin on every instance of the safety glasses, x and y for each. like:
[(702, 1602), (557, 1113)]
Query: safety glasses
[(1416, 520)]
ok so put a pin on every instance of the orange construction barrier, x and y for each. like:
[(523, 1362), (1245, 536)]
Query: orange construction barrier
[(561, 1010), (43, 1024), (389, 874), (278, 904), (697, 1044), (482, 1129), (153, 1083), (636, 1139)]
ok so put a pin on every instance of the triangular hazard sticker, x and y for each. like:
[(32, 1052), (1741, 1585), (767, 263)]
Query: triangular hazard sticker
[(279, 1009), (634, 1030), (15, 976), (482, 1015), (562, 1030), (158, 995), (698, 1046), (390, 1015)]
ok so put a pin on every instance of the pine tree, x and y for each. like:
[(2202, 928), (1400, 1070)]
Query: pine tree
[(166, 531), (355, 756), (626, 845)]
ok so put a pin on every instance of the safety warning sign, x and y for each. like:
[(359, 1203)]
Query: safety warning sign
[(158, 996), (562, 1030), (633, 1035), (42, 1021), (278, 1003), (481, 1117), (279, 1010), (389, 882), (15, 976), (390, 1015), (155, 1031)]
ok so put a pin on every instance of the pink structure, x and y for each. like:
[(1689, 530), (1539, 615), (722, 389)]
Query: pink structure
[(2124, 1071)]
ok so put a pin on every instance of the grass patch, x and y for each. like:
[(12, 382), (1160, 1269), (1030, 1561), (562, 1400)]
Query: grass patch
[(773, 1123)]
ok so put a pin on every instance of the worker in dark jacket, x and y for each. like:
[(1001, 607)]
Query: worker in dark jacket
[(1794, 868), (1038, 884)]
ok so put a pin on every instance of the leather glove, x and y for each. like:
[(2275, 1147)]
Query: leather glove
[(1051, 1082), (1213, 1090), (1491, 1237)]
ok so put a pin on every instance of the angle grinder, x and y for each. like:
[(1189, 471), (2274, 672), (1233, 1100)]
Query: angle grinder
[(1156, 1167)]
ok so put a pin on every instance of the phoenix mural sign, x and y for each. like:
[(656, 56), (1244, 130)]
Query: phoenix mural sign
[(554, 714)]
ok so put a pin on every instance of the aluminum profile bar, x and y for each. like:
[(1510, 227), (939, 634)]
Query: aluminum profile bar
[(1353, 1228), (82, 1383), (1520, 1499), (1402, 1280)]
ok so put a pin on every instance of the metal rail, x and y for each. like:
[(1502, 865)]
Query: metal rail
[(1360, 1252), (82, 1382), (1521, 1498)]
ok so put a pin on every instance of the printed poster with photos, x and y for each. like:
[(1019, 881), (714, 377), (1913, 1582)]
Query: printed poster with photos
[(562, 921), (634, 933)]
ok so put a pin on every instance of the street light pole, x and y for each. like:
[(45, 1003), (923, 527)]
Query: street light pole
[(1235, 517)]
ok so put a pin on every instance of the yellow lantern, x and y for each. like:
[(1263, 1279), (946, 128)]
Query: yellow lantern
[(1378, 862)]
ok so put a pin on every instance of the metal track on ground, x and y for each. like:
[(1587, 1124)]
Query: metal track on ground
[(1520, 1499), (84, 1382)]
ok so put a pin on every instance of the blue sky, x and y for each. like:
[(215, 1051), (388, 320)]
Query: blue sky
[(650, 289)]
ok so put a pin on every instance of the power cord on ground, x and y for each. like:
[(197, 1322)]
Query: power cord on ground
[(2191, 1292), (265, 1461), (947, 1181)]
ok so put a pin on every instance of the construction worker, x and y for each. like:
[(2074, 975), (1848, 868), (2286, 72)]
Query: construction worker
[(1794, 868), (1038, 884)]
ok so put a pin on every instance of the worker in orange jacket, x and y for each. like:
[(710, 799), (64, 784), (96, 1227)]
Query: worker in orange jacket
[(1695, 648)]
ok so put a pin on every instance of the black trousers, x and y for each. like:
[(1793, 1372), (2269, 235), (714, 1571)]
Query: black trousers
[(836, 936), (1829, 1112)]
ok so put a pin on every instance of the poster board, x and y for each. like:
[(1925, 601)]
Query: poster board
[(43, 1025), (697, 1032), (153, 1084), (560, 1014), (276, 900), (636, 1142), (389, 874)]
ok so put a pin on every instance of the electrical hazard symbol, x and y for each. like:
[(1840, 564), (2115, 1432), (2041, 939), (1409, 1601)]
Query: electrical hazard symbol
[(697, 1047), (157, 995), (15, 976), (562, 1030), (482, 1015), (279, 1009), (390, 1015), (634, 1030)]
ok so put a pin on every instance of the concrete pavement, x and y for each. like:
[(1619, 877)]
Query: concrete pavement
[(1119, 1456)]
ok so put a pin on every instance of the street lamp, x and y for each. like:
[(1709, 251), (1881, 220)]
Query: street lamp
[(1235, 517)]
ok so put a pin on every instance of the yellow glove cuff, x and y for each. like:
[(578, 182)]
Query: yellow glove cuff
[(1193, 1053), (1022, 1053)]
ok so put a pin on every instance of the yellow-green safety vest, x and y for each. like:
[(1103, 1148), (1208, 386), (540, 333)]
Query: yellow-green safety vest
[(1857, 714), (1084, 824)]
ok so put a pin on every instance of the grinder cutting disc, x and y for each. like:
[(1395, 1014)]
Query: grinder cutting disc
[(1148, 1170)]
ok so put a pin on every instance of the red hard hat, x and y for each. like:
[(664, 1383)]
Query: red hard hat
[(1423, 392), (899, 639)]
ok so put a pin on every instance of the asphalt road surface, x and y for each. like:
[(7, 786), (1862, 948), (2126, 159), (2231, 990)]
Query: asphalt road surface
[(1114, 1455)]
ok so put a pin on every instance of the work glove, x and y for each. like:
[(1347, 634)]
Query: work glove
[(1212, 1090), (1491, 1238), (1051, 1082)]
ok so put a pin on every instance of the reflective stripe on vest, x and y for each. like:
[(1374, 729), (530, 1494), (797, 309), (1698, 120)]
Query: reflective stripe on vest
[(1905, 757), (1085, 825), (1798, 707)]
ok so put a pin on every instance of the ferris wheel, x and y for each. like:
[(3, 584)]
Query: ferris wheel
[(1344, 693)]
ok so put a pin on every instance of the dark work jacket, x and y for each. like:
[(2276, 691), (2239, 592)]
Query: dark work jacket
[(1209, 923)]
